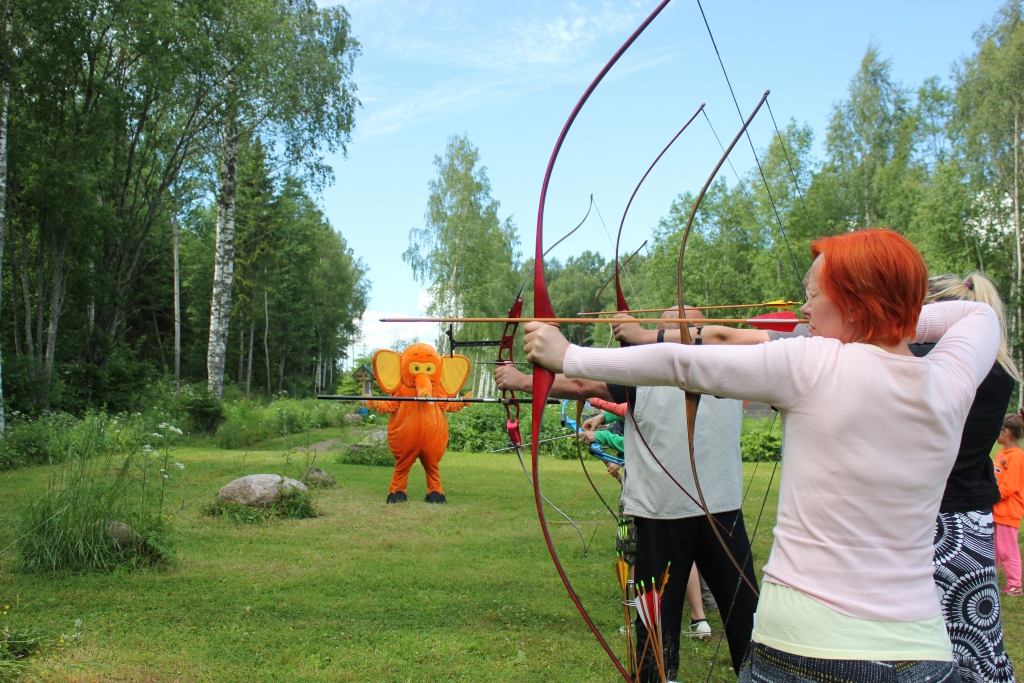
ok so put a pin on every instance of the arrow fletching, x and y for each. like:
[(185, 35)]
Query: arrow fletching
[(783, 321)]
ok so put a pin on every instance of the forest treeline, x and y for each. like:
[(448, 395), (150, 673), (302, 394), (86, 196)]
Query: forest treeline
[(939, 162), (163, 156)]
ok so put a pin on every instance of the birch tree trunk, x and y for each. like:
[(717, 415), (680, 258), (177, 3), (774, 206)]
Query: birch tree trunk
[(177, 310), (266, 331), (5, 96), (29, 349), (241, 354), (56, 302), (224, 263), (248, 370)]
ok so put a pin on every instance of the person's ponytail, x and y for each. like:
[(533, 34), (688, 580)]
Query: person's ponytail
[(976, 287)]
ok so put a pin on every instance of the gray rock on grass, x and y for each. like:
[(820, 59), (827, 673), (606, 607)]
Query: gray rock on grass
[(258, 490), (317, 478), (353, 419), (123, 535)]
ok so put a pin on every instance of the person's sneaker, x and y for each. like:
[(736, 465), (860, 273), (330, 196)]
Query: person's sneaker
[(1013, 590), (699, 628)]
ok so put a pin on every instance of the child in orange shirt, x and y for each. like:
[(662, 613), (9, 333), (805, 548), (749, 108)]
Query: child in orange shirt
[(1007, 513)]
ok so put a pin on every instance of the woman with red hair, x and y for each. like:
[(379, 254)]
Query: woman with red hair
[(870, 435)]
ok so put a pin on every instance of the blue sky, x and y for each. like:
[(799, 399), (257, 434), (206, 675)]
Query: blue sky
[(507, 74)]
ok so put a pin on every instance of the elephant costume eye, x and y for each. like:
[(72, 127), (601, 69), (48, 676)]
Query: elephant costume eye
[(422, 368)]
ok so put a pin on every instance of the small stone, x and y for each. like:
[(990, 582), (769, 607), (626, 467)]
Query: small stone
[(123, 535), (258, 490), (317, 478)]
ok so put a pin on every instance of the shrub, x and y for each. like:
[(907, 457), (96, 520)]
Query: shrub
[(761, 439), (249, 423), (205, 412), (481, 428)]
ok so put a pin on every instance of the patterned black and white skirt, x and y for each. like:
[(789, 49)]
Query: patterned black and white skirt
[(965, 575)]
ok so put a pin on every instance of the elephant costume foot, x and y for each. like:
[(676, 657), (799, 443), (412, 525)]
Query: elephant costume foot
[(398, 497), (435, 497)]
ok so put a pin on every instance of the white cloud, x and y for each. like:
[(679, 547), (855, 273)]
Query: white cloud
[(487, 52), (382, 335)]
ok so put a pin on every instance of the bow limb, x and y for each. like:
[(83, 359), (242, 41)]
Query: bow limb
[(692, 398), (542, 377), (623, 306), (621, 299)]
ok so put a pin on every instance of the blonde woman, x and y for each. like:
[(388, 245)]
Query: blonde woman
[(965, 570)]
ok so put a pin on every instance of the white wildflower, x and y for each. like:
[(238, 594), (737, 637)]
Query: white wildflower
[(179, 465)]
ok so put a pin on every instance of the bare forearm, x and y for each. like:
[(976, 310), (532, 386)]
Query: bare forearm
[(711, 334), (579, 388)]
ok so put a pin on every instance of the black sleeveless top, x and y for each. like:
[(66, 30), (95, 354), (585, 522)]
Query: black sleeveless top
[(972, 483)]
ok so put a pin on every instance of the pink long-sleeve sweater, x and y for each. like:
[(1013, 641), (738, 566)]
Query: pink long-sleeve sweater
[(869, 439)]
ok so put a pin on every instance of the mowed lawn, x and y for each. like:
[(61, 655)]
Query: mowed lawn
[(365, 592)]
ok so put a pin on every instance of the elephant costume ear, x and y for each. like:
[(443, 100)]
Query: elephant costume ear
[(454, 372), (387, 366)]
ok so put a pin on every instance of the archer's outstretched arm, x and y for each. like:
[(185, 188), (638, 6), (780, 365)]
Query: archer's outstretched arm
[(510, 379), (634, 335)]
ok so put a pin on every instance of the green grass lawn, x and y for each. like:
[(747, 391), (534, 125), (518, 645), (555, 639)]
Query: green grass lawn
[(365, 592)]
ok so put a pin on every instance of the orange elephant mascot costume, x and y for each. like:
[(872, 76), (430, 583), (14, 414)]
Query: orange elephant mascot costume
[(418, 430)]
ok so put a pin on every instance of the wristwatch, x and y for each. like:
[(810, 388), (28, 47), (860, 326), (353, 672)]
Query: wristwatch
[(661, 336), (698, 341)]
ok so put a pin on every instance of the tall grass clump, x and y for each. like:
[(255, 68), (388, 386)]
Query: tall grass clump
[(104, 508), (248, 422)]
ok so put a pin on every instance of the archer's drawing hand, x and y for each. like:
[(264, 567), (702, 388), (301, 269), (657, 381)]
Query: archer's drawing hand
[(587, 437), (630, 332), (592, 423), (545, 345), (509, 379)]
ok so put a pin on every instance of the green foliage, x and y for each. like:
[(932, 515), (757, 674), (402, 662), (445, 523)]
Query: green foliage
[(481, 428), (113, 134), (373, 454), (17, 648), (465, 253), (249, 422), (112, 476), (205, 412), (291, 504), (761, 439)]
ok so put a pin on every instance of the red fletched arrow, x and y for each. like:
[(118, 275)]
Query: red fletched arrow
[(783, 321)]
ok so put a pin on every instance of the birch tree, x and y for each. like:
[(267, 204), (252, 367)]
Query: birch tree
[(294, 86), (465, 254)]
